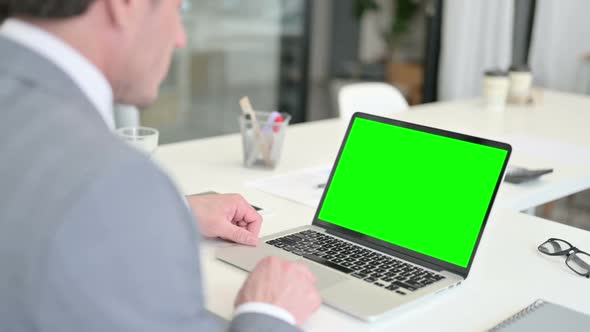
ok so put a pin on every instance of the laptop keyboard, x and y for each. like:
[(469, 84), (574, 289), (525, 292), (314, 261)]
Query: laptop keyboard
[(366, 264)]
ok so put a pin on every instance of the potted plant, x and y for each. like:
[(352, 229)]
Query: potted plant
[(403, 11), (4, 13), (392, 26)]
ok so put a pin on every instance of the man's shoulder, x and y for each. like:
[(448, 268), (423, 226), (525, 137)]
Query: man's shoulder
[(24, 97), (23, 65), (32, 86), (54, 148)]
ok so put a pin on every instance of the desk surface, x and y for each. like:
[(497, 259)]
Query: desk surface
[(553, 135), (507, 273)]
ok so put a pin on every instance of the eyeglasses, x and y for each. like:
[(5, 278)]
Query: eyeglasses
[(577, 260)]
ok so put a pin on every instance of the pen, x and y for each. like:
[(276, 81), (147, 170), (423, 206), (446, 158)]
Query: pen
[(259, 138), (272, 122)]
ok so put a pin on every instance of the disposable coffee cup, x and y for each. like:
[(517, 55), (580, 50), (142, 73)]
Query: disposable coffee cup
[(496, 86), (521, 82)]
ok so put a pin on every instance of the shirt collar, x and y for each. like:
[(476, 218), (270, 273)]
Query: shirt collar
[(89, 78)]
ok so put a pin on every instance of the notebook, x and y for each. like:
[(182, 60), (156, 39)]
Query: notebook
[(544, 316)]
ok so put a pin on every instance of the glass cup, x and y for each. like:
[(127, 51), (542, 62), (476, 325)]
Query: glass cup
[(142, 138), (262, 140)]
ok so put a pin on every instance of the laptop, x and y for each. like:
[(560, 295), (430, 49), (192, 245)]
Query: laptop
[(401, 216)]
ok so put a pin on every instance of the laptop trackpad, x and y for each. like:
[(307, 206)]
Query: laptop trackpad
[(361, 299), (325, 277)]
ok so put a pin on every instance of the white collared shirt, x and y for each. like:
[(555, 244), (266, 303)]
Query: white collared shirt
[(86, 75), (98, 90)]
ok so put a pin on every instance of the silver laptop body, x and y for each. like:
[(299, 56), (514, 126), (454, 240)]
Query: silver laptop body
[(356, 273)]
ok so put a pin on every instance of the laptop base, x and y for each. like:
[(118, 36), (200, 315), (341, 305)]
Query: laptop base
[(342, 291)]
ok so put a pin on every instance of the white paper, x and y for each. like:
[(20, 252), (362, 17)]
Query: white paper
[(305, 186)]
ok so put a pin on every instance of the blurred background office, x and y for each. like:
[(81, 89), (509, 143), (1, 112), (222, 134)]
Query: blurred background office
[(296, 55)]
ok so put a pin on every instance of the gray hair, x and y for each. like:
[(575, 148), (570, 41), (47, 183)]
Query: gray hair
[(43, 8)]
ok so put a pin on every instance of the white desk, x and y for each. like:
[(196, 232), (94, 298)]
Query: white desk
[(553, 134), (507, 274), (560, 123)]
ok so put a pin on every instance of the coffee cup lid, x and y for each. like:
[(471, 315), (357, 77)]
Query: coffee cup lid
[(496, 72), (520, 68)]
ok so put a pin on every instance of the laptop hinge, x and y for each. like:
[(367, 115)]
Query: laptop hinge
[(388, 251)]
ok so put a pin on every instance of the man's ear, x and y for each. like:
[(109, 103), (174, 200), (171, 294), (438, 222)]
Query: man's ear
[(123, 13)]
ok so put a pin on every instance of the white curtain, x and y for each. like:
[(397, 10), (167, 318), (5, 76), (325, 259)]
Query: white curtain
[(476, 36), (561, 36)]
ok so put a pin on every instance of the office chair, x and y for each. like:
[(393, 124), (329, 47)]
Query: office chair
[(374, 98)]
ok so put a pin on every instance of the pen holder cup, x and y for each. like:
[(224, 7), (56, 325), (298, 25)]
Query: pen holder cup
[(263, 137)]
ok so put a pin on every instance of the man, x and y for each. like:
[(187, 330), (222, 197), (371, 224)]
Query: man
[(93, 236)]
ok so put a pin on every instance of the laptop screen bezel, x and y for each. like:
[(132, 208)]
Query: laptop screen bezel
[(411, 255)]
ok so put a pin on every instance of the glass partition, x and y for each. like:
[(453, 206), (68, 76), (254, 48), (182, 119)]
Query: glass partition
[(236, 48)]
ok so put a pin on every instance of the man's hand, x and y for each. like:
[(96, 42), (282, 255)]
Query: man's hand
[(287, 285), (227, 216)]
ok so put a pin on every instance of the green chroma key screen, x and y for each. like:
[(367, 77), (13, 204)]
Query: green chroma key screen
[(417, 190)]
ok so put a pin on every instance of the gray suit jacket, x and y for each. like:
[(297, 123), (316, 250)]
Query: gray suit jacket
[(93, 236)]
